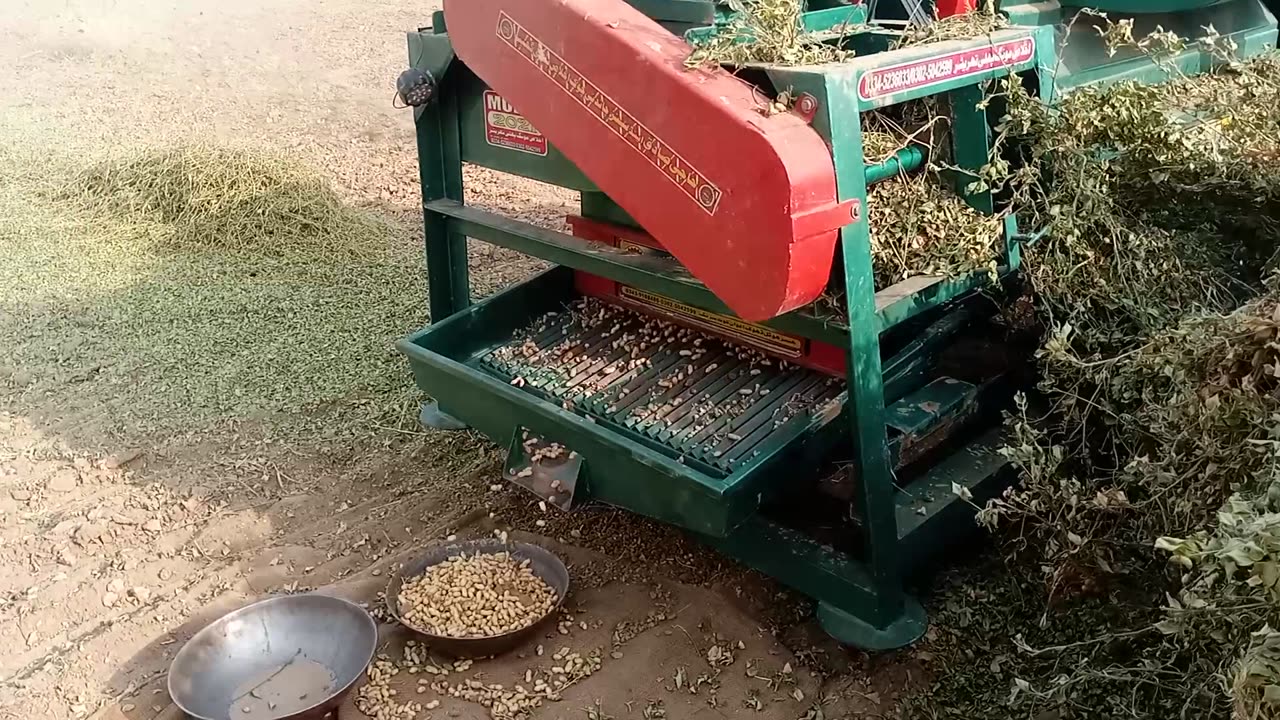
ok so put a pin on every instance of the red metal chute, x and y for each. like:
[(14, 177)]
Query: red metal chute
[(746, 202)]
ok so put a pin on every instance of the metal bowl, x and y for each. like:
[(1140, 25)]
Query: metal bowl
[(294, 656), (543, 563)]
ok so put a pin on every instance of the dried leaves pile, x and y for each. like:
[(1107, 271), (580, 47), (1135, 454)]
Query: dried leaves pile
[(110, 252), (918, 227), (1156, 432)]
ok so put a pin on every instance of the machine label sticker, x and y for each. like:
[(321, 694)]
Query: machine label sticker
[(636, 248), (935, 70), (506, 128), (744, 332), (678, 170)]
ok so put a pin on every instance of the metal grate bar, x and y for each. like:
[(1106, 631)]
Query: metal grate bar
[(698, 396)]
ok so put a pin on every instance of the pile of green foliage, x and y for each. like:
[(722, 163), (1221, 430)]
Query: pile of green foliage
[(1142, 545)]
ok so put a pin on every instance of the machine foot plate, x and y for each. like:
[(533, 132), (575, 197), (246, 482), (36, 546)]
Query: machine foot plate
[(852, 630)]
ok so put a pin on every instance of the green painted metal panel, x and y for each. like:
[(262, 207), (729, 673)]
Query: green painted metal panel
[(923, 409), (834, 19), (543, 162), (1086, 60), (931, 518), (800, 562), (924, 294)]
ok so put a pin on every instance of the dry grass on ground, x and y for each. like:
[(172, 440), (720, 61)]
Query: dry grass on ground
[(115, 274)]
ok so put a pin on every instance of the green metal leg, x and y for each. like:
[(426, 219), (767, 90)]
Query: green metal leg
[(852, 630), (871, 465), (447, 280), (875, 497), (440, 170), (848, 596)]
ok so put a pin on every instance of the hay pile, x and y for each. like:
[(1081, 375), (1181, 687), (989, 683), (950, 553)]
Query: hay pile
[(229, 200), (765, 31), (919, 223), (879, 146), (136, 273)]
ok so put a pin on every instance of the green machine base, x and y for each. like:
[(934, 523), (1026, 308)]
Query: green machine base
[(678, 439), (852, 630)]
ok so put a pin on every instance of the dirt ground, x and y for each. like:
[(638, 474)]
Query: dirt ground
[(122, 530)]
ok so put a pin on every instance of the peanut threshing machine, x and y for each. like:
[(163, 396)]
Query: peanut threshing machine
[(709, 347)]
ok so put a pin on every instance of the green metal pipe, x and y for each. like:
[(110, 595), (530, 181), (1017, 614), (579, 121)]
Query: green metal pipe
[(905, 160)]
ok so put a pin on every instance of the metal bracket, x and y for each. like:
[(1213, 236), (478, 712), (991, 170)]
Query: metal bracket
[(431, 416), (545, 468)]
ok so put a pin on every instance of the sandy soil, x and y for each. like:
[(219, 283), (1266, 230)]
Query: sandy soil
[(116, 547)]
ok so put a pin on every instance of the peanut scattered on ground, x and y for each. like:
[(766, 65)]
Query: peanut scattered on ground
[(377, 699)]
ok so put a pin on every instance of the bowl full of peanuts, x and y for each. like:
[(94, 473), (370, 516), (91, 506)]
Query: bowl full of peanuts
[(478, 598)]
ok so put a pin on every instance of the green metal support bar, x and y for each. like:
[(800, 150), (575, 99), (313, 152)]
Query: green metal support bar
[(970, 144), (865, 408), (656, 274), (906, 160)]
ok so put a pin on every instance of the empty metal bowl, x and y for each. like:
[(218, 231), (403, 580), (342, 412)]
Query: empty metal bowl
[(543, 563), (295, 656)]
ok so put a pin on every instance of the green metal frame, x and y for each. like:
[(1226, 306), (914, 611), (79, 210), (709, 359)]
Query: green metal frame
[(862, 599)]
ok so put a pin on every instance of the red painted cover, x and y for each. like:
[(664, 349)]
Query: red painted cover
[(746, 202), (947, 8)]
